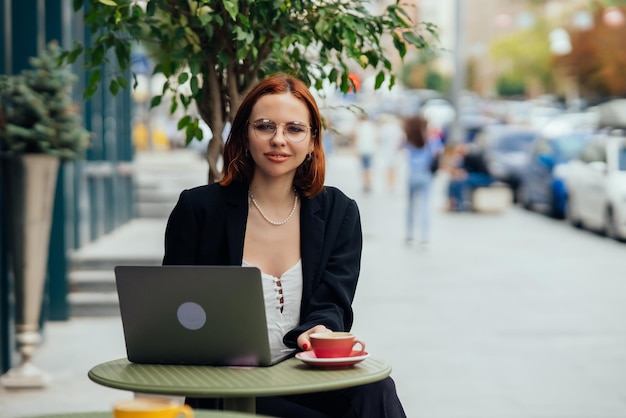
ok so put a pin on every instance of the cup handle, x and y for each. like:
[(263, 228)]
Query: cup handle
[(362, 344), (186, 411)]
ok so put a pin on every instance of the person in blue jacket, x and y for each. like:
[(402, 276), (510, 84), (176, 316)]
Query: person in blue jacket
[(271, 210), (422, 152)]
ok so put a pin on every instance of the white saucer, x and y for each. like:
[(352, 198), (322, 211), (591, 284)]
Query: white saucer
[(308, 357)]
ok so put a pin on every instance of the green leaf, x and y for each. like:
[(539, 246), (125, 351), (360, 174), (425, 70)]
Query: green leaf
[(182, 78), (194, 85), (94, 77), (156, 100), (75, 52), (97, 56), (232, 7), (111, 3), (90, 90), (122, 81), (194, 66), (240, 34), (151, 8), (114, 87), (184, 122), (380, 78), (414, 39), (400, 46), (122, 53)]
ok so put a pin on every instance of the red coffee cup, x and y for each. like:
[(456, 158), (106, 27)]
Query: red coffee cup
[(335, 344)]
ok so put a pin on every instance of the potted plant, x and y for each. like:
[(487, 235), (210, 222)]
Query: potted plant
[(39, 127)]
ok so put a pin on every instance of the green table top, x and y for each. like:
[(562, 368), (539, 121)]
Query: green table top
[(285, 378), (196, 413)]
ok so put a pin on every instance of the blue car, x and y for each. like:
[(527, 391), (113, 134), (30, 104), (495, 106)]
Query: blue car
[(542, 185)]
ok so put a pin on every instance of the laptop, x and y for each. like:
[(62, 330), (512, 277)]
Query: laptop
[(195, 315)]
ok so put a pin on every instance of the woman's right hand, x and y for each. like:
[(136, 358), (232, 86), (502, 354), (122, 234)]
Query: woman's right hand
[(303, 340)]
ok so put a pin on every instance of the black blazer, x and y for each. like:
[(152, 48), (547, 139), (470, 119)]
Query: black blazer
[(208, 224)]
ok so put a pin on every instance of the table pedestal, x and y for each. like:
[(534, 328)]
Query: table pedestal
[(247, 404)]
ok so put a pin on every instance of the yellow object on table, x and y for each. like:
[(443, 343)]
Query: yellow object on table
[(197, 414)]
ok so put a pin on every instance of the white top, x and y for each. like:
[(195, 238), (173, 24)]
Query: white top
[(283, 297), (391, 138), (366, 137)]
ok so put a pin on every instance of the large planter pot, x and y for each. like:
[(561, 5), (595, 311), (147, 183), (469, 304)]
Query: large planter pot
[(29, 183)]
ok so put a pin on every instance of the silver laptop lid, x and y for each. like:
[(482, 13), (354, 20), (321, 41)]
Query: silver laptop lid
[(195, 315)]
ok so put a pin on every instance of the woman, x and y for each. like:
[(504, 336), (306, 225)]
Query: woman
[(421, 153), (271, 210)]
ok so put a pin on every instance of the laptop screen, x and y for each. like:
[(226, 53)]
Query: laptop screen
[(195, 315)]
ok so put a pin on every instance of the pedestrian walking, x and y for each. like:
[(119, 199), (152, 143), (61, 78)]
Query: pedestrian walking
[(420, 153), (364, 138), (391, 136)]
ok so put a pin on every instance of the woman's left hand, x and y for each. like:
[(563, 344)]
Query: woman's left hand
[(303, 340)]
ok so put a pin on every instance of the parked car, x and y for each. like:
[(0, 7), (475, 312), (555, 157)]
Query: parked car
[(505, 148), (542, 184), (596, 184), (560, 140)]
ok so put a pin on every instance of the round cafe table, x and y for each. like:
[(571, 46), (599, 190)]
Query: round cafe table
[(238, 386)]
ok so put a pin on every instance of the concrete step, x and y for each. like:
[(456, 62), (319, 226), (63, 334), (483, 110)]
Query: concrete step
[(84, 281), (93, 304), (157, 195), (154, 210), (108, 263)]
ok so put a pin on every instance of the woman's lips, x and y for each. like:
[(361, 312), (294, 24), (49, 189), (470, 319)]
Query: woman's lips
[(277, 156)]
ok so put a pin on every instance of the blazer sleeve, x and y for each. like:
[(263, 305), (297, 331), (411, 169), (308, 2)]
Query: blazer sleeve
[(330, 302), (182, 233)]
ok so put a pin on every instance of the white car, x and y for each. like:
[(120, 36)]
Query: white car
[(596, 185)]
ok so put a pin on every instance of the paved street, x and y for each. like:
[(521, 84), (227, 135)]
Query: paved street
[(501, 316)]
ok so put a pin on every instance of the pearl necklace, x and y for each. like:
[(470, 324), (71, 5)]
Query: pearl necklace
[(277, 223)]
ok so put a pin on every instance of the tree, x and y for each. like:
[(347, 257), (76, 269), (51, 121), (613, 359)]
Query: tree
[(37, 114), (598, 58), (523, 57), (217, 50)]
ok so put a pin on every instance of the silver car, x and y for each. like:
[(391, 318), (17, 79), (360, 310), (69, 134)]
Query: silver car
[(596, 183)]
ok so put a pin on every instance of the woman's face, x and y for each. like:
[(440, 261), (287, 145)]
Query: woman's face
[(275, 155)]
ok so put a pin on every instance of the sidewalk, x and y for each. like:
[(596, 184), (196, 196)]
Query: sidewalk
[(480, 324)]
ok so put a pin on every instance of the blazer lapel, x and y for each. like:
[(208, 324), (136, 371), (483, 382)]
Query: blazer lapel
[(312, 241), (236, 215)]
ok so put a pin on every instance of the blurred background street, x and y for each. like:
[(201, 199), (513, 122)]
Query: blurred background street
[(502, 315)]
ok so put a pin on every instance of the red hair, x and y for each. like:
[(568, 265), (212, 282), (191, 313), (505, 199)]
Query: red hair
[(239, 167)]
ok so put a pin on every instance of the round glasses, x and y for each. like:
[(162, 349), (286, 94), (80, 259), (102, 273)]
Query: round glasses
[(265, 129)]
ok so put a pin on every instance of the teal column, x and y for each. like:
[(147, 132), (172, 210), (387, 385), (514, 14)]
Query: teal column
[(126, 152), (6, 313), (5, 25), (5, 317), (57, 287), (27, 33)]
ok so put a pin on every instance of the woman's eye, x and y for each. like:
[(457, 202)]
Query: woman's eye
[(265, 127), (295, 129)]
